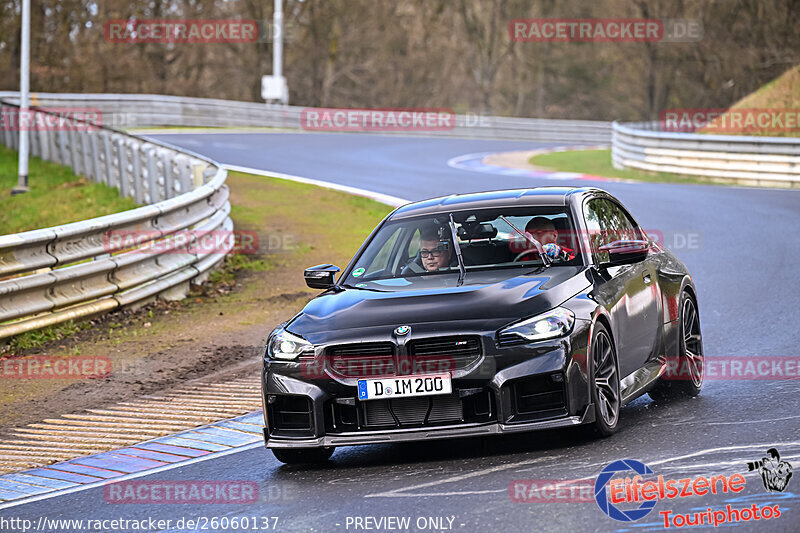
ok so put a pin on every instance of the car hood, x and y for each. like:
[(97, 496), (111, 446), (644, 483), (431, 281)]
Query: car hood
[(493, 297)]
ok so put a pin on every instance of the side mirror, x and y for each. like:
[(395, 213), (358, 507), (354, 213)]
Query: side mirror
[(320, 276), (625, 252)]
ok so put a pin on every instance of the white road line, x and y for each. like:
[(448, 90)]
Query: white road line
[(460, 477), (770, 420), (404, 492), (393, 201), (763, 447)]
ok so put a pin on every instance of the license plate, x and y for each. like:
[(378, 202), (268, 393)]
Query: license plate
[(403, 387)]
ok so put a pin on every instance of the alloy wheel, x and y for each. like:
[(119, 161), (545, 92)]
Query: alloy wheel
[(606, 380), (693, 343)]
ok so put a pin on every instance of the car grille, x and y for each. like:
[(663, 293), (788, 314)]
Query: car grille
[(364, 359), (449, 353), (412, 411), (477, 406), (424, 356)]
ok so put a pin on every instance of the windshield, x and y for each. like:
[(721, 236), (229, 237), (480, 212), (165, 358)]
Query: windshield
[(423, 246)]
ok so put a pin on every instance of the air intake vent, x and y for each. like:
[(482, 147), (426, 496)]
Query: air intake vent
[(450, 353), (362, 348), (361, 360)]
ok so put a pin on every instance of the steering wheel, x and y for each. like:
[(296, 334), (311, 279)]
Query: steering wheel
[(412, 267), (526, 252)]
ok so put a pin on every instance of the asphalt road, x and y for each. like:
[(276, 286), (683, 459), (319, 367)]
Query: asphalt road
[(741, 245)]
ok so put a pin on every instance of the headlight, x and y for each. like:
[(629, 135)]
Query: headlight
[(286, 346), (552, 324)]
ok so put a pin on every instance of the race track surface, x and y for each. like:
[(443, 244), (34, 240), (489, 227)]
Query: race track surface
[(742, 246)]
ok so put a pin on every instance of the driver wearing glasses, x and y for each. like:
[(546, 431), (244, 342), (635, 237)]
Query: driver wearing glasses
[(434, 250)]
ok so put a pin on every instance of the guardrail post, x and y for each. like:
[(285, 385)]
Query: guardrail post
[(73, 150), (138, 185), (88, 168), (152, 182), (184, 173), (124, 186), (52, 146), (96, 167), (169, 179), (63, 156), (105, 137), (44, 144), (197, 174)]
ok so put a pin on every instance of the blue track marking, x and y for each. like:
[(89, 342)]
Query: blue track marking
[(39, 481), (121, 464), (200, 445), (176, 450), (149, 454), (88, 470), (256, 418), (22, 488), (65, 476), (11, 495), (172, 449), (231, 437), (249, 428), (223, 440)]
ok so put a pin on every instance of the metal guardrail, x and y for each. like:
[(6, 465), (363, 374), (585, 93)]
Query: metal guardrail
[(142, 110), (749, 160), (74, 271)]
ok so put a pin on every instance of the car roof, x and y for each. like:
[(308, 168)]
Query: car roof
[(536, 196)]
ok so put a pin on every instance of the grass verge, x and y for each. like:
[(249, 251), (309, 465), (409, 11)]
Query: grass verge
[(598, 163), (57, 196)]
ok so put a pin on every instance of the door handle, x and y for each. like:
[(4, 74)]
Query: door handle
[(646, 278)]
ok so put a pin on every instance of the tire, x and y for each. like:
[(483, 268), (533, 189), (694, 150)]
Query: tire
[(298, 456), (690, 361), (606, 395)]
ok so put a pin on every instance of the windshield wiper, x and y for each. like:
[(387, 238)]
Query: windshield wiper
[(461, 270), (539, 248)]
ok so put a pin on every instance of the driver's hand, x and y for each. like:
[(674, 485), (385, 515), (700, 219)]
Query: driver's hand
[(552, 250)]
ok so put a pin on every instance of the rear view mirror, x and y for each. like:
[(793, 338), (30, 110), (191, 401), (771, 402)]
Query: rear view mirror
[(321, 276), (625, 252)]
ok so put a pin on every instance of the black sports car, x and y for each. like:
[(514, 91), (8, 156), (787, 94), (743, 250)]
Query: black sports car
[(484, 313)]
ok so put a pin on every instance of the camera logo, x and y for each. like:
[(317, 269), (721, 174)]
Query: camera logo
[(774, 473), (603, 500)]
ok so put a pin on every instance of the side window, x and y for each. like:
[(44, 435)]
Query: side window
[(608, 222)]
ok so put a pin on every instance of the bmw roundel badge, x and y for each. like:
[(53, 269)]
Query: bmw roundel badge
[(400, 331)]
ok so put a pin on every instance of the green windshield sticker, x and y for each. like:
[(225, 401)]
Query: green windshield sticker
[(357, 272)]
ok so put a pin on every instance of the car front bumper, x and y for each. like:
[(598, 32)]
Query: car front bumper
[(507, 384), (441, 432)]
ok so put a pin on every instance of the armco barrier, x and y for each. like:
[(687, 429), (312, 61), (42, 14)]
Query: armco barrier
[(749, 160), (53, 275), (137, 110)]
